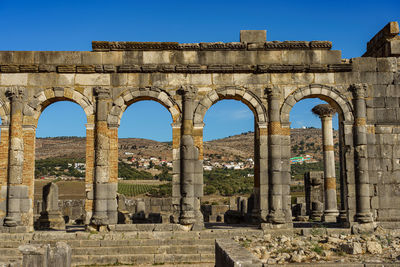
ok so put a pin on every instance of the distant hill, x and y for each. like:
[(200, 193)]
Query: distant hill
[(303, 141)]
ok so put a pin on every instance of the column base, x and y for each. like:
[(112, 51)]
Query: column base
[(10, 222), (187, 218), (330, 216), (276, 218), (364, 217)]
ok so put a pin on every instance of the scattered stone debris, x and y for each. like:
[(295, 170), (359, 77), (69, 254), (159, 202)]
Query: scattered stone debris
[(379, 246)]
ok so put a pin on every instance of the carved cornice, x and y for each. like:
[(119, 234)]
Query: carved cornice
[(104, 46), (178, 68)]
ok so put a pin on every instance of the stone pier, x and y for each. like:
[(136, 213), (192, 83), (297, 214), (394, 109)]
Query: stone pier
[(361, 154), (326, 112), (17, 193), (276, 215)]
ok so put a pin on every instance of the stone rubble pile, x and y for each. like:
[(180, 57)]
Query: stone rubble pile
[(378, 247)]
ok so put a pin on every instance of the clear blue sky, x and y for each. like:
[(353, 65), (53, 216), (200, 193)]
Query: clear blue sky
[(72, 25)]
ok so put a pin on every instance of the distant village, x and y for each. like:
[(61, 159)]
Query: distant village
[(153, 162)]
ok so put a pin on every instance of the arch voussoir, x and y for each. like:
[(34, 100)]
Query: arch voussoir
[(316, 90), (41, 100), (134, 94), (230, 92)]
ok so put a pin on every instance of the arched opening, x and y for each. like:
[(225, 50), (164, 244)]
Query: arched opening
[(60, 158), (307, 160), (326, 187), (229, 156), (145, 163)]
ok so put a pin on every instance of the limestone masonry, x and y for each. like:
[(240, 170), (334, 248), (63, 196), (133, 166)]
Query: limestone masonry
[(187, 79)]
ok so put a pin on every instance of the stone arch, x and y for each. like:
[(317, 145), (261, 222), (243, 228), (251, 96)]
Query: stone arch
[(327, 93), (231, 92), (4, 112), (43, 99), (344, 107), (135, 94)]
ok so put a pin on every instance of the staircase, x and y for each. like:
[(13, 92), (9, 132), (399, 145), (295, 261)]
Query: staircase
[(129, 245)]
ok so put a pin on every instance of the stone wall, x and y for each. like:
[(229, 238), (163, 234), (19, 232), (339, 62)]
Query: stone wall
[(187, 79)]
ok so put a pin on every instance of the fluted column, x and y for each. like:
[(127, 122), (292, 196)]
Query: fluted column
[(101, 164), (326, 112), (15, 189), (276, 215), (363, 212), (189, 156)]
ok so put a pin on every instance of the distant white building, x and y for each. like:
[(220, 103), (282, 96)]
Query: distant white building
[(80, 166), (207, 168)]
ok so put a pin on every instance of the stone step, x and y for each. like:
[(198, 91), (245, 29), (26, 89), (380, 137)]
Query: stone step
[(63, 236), (139, 259), (176, 249), (113, 243)]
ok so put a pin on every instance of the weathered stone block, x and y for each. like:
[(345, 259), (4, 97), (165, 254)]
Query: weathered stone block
[(363, 64), (253, 36), (331, 57), (13, 79), (387, 64), (92, 79)]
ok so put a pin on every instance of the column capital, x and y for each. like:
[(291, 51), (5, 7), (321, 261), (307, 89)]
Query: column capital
[(324, 111), (188, 91), (102, 93), (15, 93), (272, 92), (359, 90)]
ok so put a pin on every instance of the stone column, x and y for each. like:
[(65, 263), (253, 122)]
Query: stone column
[(89, 174), (101, 167), (198, 181), (363, 212), (326, 112), (15, 191), (276, 215), (261, 192), (189, 154), (176, 170)]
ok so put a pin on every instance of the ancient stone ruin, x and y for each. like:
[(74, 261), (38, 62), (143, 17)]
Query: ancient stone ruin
[(51, 217), (187, 79)]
